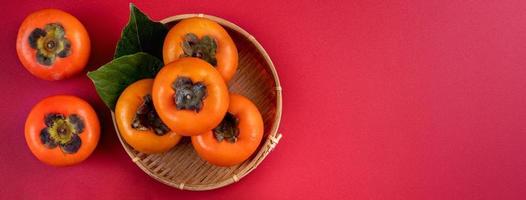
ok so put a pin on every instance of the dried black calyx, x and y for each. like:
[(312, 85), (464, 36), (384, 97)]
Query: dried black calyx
[(62, 131), (50, 43), (204, 48), (188, 95), (146, 118), (228, 129)]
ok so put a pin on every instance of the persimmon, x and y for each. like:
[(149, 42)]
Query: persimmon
[(138, 122), (190, 96), (62, 130), (202, 38), (237, 136), (53, 44)]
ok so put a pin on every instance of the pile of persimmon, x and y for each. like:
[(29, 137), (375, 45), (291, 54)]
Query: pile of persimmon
[(60, 130), (154, 108), (189, 97)]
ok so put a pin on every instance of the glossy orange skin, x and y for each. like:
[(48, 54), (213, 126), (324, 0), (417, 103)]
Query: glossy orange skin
[(63, 67), (226, 53), (67, 105), (250, 134), (189, 122), (144, 141)]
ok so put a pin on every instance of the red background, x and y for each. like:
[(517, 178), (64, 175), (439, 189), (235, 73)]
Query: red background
[(382, 100)]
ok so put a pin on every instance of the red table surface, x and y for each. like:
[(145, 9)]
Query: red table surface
[(381, 100)]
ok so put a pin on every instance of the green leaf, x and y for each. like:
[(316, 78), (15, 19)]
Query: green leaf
[(141, 34), (112, 78)]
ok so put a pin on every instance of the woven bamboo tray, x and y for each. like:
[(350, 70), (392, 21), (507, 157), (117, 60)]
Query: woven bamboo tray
[(256, 79)]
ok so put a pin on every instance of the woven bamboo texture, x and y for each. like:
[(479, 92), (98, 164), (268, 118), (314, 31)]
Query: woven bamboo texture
[(256, 79)]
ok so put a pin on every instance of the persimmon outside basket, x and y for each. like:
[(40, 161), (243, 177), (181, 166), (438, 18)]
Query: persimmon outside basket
[(256, 79)]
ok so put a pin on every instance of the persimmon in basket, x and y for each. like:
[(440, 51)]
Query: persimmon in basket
[(190, 96), (138, 122), (237, 136), (205, 39)]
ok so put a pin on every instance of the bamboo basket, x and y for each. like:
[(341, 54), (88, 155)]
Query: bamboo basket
[(256, 79)]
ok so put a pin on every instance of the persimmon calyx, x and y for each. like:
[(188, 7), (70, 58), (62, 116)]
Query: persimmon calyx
[(146, 118), (62, 131), (50, 43), (204, 48), (228, 129), (188, 95)]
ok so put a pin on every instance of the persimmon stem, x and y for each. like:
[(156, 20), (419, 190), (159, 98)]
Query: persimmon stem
[(51, 45)]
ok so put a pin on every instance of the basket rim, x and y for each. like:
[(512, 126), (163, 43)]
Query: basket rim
[(271, 139)]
